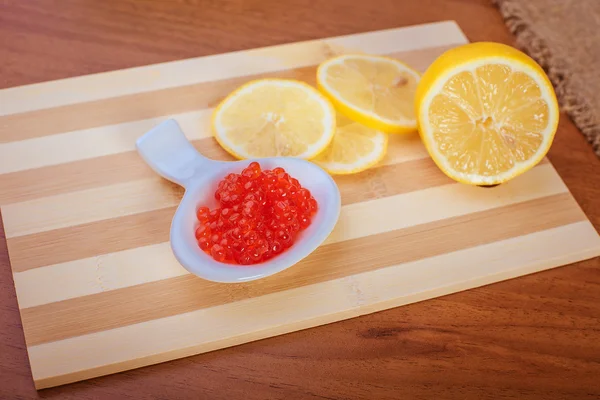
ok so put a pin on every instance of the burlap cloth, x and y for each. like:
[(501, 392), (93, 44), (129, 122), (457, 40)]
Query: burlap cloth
[(563, 36)]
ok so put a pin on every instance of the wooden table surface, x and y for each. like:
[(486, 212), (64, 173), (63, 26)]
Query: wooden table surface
[(536, 337)]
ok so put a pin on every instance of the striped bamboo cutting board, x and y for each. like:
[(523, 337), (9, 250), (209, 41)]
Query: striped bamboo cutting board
[(87, 221)]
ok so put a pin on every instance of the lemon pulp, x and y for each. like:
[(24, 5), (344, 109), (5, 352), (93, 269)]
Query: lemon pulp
[(354, 148), (274, 117), (375, 91)]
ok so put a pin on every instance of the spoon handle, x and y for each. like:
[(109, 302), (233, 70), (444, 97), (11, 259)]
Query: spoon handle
[(168, 152)]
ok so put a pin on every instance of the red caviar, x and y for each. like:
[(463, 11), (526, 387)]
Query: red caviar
[(260, 214)]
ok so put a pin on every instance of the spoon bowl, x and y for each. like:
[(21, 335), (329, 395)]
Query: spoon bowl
[(168, 152)]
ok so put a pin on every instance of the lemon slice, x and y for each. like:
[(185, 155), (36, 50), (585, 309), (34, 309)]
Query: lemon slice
[(375, 91), (274, 117), (354, 148), (487, 113)]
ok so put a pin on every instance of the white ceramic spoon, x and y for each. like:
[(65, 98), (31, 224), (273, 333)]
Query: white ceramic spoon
[(166, 149)]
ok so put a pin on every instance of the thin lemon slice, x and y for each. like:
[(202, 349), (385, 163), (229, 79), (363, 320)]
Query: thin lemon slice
[(487, 113), (354, 148), (274, 117), (375, 91)]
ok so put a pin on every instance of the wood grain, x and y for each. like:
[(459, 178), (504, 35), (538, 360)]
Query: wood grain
[(144, 195), (131, 305), (220, 324), (498, 341), (175, 100), (81, 239), (105, 272), (123, 167)]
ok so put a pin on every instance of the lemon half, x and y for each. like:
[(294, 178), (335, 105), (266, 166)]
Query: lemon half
[(487, 113)]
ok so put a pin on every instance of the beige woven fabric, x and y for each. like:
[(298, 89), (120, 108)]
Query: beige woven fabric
[(564, 37)]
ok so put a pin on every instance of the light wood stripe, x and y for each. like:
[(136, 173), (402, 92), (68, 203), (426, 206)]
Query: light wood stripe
[(109, 310), (121, 269), (95, 142), (333, 300), (87, 206), (125, 167), (89, 240), (151, 227), (87, 144), (157, 77), (87, 174), (84, 206), (169, 101), (96, 274), (139, 106)]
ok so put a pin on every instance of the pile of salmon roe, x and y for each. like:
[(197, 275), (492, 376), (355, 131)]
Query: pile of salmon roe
[(260, 214)]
